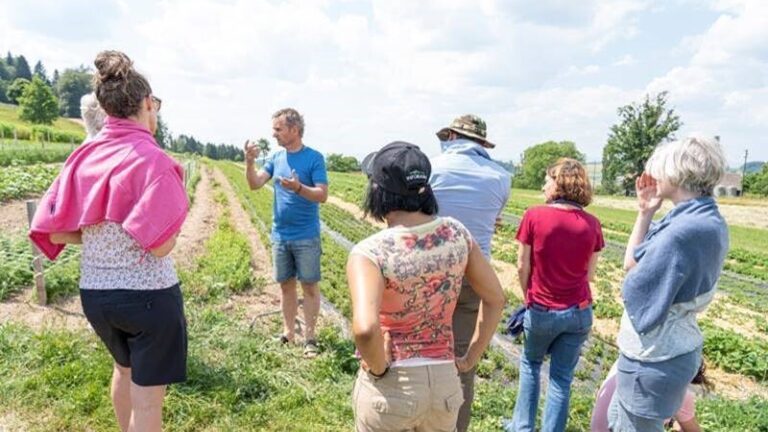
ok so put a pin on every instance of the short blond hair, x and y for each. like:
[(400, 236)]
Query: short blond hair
[(92, 113), (695, 163)]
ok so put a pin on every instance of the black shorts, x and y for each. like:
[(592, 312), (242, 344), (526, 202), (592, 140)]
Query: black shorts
[(144, 330)]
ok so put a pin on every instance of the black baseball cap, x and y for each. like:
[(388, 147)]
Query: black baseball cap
[(399, 167)]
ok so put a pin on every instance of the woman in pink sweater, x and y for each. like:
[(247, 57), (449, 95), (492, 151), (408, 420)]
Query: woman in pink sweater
[(123, 199)]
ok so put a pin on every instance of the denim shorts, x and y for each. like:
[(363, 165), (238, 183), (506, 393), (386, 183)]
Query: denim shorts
[(144, 330), (297, 258)]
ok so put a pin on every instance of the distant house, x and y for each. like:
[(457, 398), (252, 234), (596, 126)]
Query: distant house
[(730, 185)]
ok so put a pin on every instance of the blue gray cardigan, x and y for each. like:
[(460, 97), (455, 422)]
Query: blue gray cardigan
[(679, 260)]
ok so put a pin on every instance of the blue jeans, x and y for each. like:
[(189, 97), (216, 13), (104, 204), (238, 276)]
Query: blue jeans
[(297, 259), (561, 334)]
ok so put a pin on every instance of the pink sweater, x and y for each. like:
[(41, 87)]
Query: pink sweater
[(121, 176)]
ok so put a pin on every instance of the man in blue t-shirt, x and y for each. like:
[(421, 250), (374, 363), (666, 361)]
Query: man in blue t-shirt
[(300, 184)]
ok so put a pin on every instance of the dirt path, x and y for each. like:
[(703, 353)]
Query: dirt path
[(200, 223), (68, 313), (749, 213), (264, 304), (13, 218)]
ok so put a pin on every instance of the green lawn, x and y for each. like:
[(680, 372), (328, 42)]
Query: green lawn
[(9, 115)]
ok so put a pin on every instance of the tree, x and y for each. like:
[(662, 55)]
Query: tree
[(9, 60), (55, 80), (757, 183), (16, 89), (162, 134), (5, 71), (340, 163), (263, 144), (22, 68), (3, 91), (632, 141), (38, 103), (41, 72), (71, 86), (538, 158)]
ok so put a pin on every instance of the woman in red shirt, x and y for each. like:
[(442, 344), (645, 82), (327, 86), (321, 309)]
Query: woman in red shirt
[(559, 246)]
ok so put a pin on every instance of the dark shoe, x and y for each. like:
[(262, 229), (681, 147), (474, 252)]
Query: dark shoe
[(283, 339)]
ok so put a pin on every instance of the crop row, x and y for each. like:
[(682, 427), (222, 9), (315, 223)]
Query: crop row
[(606, 306), (10, 132), (494, 390), (18, 182), (27, 153), (259, 206)]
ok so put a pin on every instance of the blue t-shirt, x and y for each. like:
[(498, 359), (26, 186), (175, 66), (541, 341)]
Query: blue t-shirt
[(294, 217)]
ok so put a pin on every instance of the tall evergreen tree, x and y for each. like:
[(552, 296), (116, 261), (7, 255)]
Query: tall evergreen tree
[(40, 71), (9, 59), (5, 72), (55, 79), (22, 68), (162, 134)]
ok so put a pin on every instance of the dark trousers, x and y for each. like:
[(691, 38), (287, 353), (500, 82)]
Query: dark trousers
[(464, 320)]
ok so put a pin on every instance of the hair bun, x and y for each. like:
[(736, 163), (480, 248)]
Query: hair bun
[(112, 65)]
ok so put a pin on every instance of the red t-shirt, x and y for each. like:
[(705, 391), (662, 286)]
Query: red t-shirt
[(562, 242)]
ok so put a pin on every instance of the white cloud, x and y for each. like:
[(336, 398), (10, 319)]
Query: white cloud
[(365, 73)]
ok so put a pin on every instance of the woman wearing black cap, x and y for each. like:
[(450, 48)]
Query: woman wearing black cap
[(404, 282)]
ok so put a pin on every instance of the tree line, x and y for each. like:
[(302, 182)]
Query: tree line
[(42, 98)]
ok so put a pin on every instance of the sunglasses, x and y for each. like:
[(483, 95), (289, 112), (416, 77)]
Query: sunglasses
[(157, 102)]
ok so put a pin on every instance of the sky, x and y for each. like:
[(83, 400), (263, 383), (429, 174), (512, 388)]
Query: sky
[(364, 73)]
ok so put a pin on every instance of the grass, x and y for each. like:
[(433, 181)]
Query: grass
[(9, 115), (238, 378)]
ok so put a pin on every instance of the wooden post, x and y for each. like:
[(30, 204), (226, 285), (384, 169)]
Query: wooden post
[(37, 261), (15, 137)]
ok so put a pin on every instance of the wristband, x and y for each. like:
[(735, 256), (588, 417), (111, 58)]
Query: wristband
[(381, 375)]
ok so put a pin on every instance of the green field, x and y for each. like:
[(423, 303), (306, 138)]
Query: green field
[(57, 379), (9, 116)]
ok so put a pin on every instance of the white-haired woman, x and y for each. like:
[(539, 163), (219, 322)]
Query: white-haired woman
[(673, 265), (93, 115)]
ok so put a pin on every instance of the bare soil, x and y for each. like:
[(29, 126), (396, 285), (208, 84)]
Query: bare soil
[(200, 223), (749, 214), (13, 218)]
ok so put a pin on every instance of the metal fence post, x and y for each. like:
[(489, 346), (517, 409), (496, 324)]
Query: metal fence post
[(37, 261)]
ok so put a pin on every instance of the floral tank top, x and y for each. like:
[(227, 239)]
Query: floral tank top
[(423, 267)]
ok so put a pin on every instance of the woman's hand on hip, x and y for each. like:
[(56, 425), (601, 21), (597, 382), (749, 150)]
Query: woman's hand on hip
[(463, 364)]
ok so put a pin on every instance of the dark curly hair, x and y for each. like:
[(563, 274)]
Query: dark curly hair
[(571, 181), (118, 86)]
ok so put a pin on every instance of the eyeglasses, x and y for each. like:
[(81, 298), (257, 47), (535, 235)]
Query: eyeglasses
[(157, 101)]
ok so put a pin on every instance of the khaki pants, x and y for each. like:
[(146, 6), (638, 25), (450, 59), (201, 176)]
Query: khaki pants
[(464, 321), (420, 399)]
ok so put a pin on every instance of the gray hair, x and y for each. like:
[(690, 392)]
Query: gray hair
[(695, 163), (92, 113), (292, 119)]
